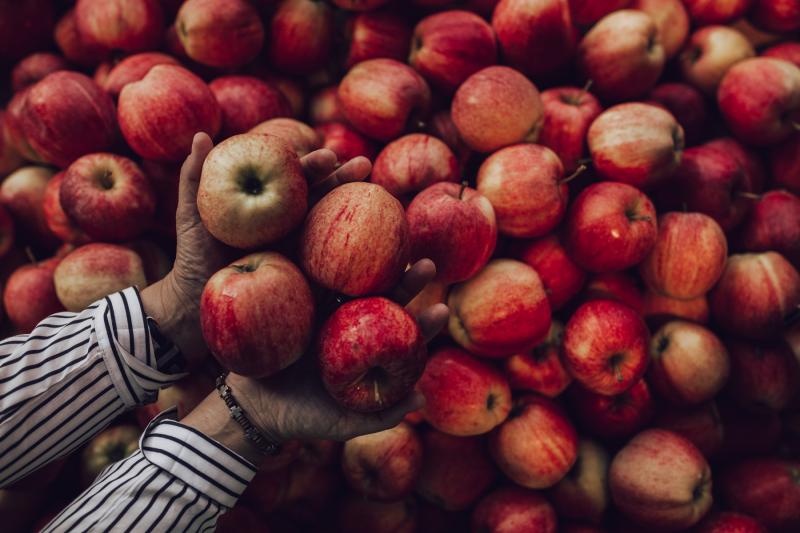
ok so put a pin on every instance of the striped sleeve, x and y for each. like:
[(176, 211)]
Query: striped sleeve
[(70, 377), (179, 480)]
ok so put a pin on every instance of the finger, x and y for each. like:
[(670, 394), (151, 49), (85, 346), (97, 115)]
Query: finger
[(190, 175), (414, 280), (373, 423), (432, 320), (357, 169), (318, 165)]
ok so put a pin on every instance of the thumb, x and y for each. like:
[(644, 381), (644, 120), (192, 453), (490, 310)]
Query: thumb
[(190, 178)]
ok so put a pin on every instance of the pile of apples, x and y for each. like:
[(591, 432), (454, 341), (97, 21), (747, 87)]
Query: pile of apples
[(608, 189)]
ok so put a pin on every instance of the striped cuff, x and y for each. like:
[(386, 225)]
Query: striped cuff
[(199, 461), (124, 339)]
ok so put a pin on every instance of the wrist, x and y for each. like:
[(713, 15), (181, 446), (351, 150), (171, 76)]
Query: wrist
[(177, 314), (247, 391)]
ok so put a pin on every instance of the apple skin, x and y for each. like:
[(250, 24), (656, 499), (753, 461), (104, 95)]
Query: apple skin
[(34, 68), (749, 161), (371, 353), (705, 12), (616, 417), (22, 193), (29, 295), (300, 136), (561, 277), (672, 22), (359, 514), (257, 314), (587, 12), (568, 113), (160, 114), (61, 104), (623, 55), (788, 51), (710, 53), (583, 493), (381, 97), (108, 447), (441, 126), (324, 107), (729, 522), (658, 309), (762, 288), (688, 257), (767, 490), (300, 36), (605, 346), (501, 311), (497, 107), (610, 226), (618, 286), (525, 185), (454, 226), (345, 142), (133, 68), (383, 466), (701, 425), (94, 271), (413, 162), (377, 34), (634, 143), (75, 47), (107, 196), (763, 375), (540, 370), (455, 470), (514, 509), (246, 101), (689, 365), (10, 159), (536, 37), (359, 5), (537, 445), (760, 100), (777, 16), (129, 25), (686, 104), (773, 225), (463, 395), (222, 34), (449, 47), (659, 479), (784, 161), (6, 231), (18, 148)]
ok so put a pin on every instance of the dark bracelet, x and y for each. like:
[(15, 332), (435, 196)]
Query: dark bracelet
[(252, 433)]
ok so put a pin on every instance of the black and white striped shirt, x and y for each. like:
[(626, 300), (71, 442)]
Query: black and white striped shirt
[(66, 381)]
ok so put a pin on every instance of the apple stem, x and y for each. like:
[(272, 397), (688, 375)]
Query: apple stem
[(796, 125), (748, 195), (585, 161), (464, 185), (578, 171), (29, 253), (585, 90)]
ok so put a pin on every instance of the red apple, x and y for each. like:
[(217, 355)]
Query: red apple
[(6, 231), (359, 5), (76, 47), (704, 12), (160, 114), (763, 375), (730, 523), (10, 158), (710, 53), (16, 146), (356, 240), (537, 445), (454, 226), (377, 34), (613, 417), (610, 226), (561, 277), (413, 162), (132, 69), (501, 311), (300, 36), (35, 67), (526, 186), (441, 125), (672, 22), (686, 104), (587, 12), (785, 164), (29, 295), (635, 143), (300, 136), (659, 479), (108, 197), (749, 161), (108, 447), (463, 396), (324, 106), (568, 113), (618, 286), (773, 225), (623, 55), (496, 107), (767, 490), (514, 509), (246, 101), (701, 425), (788, 51), (359, 514), (220, 33), (381, 97), (22, 193), (779, 16), (540, 370), (385, 465), (345, 142), (130, 25), (658, 309), (583, 493), (94, 271), (754, 294)]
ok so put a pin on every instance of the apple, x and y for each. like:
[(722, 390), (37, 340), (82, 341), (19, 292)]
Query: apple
[(381, 97), (686, 104), (324, 107), (448, 47), (541, 369), (729, 522), (300, 36), (10, 158), (583, 493), (413, 162), (760, 100), (779, 16), (660, 479), (34, 68), (132, 69), (356, 240), (6, 231), (784, 161), (246, 101), (749, 161), (108, 447), (76, 47), (587, 12), (710, 53), (129, 25), (658, 309), (357, 513), (623, 55), (754, 294), (765, 489), (613, 417), (672, 22), (371, 353), (107, 196), (514, 509), (496, 107), (456, 471), (537, 445), (705, 12), (788, 51), (773, 225), (22, 193), (610, 226), (441, 125), (377, 34), (763, 375), (501, 311), (29, 295), (453, 225), (17, 148), (618, 286), (292, 89), (605, 346), (220, 33), (345, 142), (383, 466), (701, 425), (56, 219), (568, 113), (526, 186), (561, 277), (463, 396), (359, 5), (94, 271), (25, 27), (300, 136)]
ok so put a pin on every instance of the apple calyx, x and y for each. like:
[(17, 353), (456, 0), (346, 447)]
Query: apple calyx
[(576, 100), (663, 344), (464, 185), (103, 178), (701, 488), (615, 362)]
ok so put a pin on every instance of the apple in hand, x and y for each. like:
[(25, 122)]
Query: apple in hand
[(540, 370), (246, 102), (710, 53), (773, 225), (29, 295), (612, 417), (514, 509), (583, 493), (300, 36), (345, 142), (763, 375), (34, 68), (686, 104), (252, 191), (300, 136), (377, 34), (659, 479), (561, 277), (766, 489), (568, 113), (413, 162), (108, 447)]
